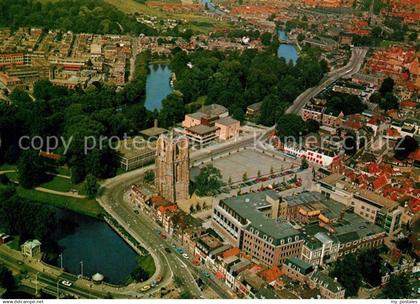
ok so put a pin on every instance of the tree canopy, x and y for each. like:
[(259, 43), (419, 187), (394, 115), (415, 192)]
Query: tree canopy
[(290, 125), (208, 181), (81, 16), (347, 272)]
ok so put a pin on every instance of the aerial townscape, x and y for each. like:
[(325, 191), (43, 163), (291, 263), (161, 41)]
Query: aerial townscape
[(210, 149)]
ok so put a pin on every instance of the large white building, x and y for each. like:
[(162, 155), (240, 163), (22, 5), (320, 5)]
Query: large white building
[(314, 155)]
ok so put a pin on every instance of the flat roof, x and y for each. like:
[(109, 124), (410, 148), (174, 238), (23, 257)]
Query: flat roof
[(135, 147), (202, 129), (247, 206), (227, 121), (153, 132), (335, 179), (302, 265)]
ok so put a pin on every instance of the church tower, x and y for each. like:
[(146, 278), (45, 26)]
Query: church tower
[(172, 167)]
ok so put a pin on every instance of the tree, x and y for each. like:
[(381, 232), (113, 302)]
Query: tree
[(186, 295), (389, 102), (208, 181), (404, 147), (19, 96), (347, 272), (370, 266), (304, 164), (300, 37), (172, 110), (91, 186), (375, 98), (149, 176), (25, 218), (7, 280), (139, 274), (78, 173), (266, 38), (31, 169), (397, 288), (312, 126), (244, 177), (350, 144), (387, 86), (290, 125)]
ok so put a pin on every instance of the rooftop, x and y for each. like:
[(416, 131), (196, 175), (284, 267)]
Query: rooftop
[(227, 121), (326, 281), (202, 129), (299, 264), (248, 206), (213, 110), (134, 147)]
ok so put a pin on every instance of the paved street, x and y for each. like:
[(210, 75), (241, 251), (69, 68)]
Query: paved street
[(143, 229), (357, 58)]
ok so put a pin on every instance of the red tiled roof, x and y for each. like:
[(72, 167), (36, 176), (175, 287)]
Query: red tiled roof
[(270, 275), (231, 252), (170, 208), (50, 155), (414, 205), (408, 104), (380, 182), (415, 155)]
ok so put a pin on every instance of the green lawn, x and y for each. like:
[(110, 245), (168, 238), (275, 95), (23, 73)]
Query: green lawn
[(83, 206), (13, 176), (14, 244), (146, 262), (6, 167), (61, 184)]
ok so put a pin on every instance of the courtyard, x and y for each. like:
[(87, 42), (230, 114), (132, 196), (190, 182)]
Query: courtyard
[(251, 161)]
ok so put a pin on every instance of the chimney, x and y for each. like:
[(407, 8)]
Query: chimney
[(155, 123)]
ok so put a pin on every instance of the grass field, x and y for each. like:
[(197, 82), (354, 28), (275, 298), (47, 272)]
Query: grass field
[(84, 206), (203, 23), (146, 262), (61, 184)]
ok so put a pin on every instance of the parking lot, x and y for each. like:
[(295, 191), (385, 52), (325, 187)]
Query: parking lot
[(249, 161)]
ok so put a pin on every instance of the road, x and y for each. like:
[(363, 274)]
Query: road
[(143, 229), (49, 281), (353, 66)]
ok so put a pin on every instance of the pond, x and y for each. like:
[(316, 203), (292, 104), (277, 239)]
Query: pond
[(157, 86), (96, 244), (287, 51)]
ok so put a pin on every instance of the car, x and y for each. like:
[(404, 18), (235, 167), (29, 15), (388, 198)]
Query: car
[(66, 283), (168, 250), (179, 250), (206, 274), (185, 256), (145, 288)]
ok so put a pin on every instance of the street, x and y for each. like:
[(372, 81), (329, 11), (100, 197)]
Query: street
[(352, 67)]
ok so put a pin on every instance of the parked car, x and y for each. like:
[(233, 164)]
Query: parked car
[(168, 250), (145, 288), (66, 283), (185, 256)]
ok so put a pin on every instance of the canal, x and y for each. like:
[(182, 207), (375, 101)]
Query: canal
[(287, 51), (157, 86), (97, 245)]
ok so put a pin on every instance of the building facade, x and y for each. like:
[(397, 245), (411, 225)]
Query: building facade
[(172, 167)]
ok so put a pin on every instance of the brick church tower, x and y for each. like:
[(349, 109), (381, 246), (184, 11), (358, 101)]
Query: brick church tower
[(172, 167)]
